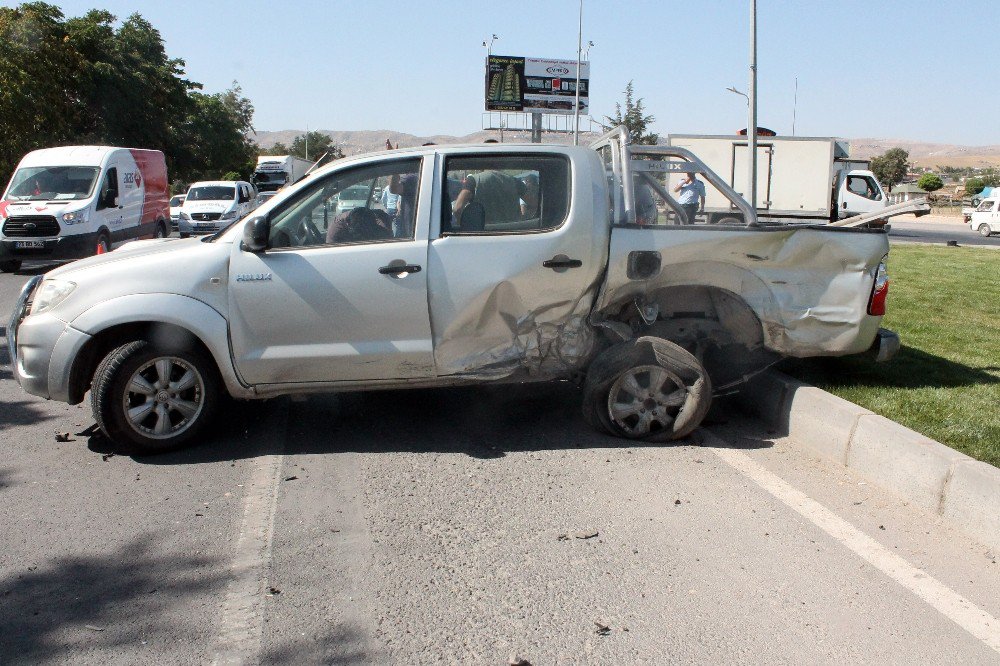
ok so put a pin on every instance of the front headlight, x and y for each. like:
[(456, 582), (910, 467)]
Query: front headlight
[(51, 293), (184, 216), (228, 215), (79, 217)]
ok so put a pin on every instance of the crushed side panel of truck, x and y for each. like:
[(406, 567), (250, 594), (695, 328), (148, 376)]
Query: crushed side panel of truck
[(495, 338), (808, 287)]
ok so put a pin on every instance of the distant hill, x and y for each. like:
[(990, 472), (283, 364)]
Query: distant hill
[(921, 153)]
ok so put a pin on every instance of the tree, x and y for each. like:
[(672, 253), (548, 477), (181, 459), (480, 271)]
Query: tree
[(633, 119), (277, 149), (318, 143), (890, 167), (974, 186), (930, 182), (213, 138), (82, 80)]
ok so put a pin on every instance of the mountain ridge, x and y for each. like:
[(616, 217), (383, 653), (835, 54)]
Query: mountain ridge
[(922, 153)]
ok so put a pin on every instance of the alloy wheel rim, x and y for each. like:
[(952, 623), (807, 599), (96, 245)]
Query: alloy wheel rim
[(164, 397), (646, 399)]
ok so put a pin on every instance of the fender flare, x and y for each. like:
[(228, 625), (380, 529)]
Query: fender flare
[(201, 320)]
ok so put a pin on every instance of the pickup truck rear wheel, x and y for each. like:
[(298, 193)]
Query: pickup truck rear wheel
[(649, 389), (984, 230), (149, 399)]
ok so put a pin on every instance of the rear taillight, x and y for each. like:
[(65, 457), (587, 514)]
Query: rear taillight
[(880, 290)]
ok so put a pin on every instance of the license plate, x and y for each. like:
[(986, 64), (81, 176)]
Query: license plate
[(26, 245), (208, 227)]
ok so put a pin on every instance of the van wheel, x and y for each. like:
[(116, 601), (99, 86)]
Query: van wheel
[(161, 230), (150, 399), (984, 230), (103, 244), (184, 235), (647, 389), (10, 266)]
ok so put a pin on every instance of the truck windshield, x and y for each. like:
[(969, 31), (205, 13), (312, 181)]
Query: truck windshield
[(212, 193), (63, 183)]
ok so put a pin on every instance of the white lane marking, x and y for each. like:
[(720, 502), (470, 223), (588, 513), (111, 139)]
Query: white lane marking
[(241, 629), (946, 601)]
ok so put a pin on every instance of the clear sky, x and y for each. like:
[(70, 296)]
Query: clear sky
[(907, 69)]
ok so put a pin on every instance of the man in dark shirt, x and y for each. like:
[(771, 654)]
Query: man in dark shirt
[(358, 225)]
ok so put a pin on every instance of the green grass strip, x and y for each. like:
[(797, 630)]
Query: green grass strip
[(945, 382)]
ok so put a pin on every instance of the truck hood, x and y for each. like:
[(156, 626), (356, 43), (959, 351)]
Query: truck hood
[(188, 267)]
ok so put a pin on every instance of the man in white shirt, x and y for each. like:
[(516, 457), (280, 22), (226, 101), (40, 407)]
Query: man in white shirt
[(692, 195)]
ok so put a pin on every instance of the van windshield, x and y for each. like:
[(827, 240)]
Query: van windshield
[(63, 183), (211, 193)]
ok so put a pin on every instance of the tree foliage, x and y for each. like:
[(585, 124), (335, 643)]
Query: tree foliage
[(318, 144), (930, 182), (634, 119), (890, 167), (83, 80)]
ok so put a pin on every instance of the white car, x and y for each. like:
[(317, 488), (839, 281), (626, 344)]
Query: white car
[(986, 217), (176, 202)]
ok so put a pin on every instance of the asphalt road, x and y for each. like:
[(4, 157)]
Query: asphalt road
[(937, 230), (481, 525)]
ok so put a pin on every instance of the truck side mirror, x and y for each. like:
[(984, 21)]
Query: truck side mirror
[(255, 234)]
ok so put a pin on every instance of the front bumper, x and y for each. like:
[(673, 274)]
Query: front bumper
[(42, 348), (885, 346), (75, 246)]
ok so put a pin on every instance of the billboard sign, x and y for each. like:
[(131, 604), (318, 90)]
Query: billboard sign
[(535, 85)]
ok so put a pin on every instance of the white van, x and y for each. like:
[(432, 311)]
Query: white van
[(213, 204), (986, 217), (75, 201)]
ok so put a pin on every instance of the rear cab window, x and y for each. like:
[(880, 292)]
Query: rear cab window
[(501, 194)]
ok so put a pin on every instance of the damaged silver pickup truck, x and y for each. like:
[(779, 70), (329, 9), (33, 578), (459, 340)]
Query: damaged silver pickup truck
[(499, 263)]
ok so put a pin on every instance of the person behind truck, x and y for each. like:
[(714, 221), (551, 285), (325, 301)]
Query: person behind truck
[(692, 195)]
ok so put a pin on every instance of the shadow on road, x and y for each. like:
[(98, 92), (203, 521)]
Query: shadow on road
[(482, 422), (341, 645), (21, 412), (911, 368), (112, 600)]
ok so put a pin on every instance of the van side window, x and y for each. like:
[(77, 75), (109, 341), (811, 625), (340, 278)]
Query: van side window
[(985, 206), (494, 194), (109, 189), (244, 195)]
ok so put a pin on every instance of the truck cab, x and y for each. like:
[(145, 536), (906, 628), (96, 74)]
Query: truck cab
[(857, 191), (986, 217)]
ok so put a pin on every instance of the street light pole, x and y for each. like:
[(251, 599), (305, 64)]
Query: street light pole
[(752, 100), (579, 56)]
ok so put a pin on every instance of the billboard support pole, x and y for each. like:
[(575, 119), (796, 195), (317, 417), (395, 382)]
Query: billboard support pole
[(536, 128), (579, 54)]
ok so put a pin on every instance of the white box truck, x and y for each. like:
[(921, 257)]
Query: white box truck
[(798, 178), (275, 171), (76, 201)]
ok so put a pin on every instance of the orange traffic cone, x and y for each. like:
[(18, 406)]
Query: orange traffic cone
[(100, 248)]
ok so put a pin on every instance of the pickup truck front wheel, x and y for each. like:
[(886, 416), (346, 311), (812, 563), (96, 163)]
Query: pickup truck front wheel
[(151, 400), (649, 389)]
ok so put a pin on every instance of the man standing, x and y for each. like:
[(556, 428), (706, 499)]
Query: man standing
[(692, 195)]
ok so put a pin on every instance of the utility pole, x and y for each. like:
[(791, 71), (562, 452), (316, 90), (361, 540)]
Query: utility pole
[(752, 98), (795, 104), (579, 56)]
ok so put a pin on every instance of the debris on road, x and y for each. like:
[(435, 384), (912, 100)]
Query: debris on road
[(292, 478), (63, 437), (518, 661), (602, 629), (92, 627), (677, 501), (105, 456), (272, 591)]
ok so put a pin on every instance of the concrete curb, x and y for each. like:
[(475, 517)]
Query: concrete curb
[(963, 491)]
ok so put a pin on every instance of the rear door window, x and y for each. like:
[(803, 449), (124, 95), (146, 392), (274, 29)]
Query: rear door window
[(497, 194)]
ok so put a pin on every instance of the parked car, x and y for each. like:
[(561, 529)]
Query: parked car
[(176, 202), (353, 197), (292, 300), (986, 217)]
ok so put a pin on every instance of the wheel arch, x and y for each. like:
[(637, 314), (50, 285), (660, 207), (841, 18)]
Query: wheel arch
[(165, 318)]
